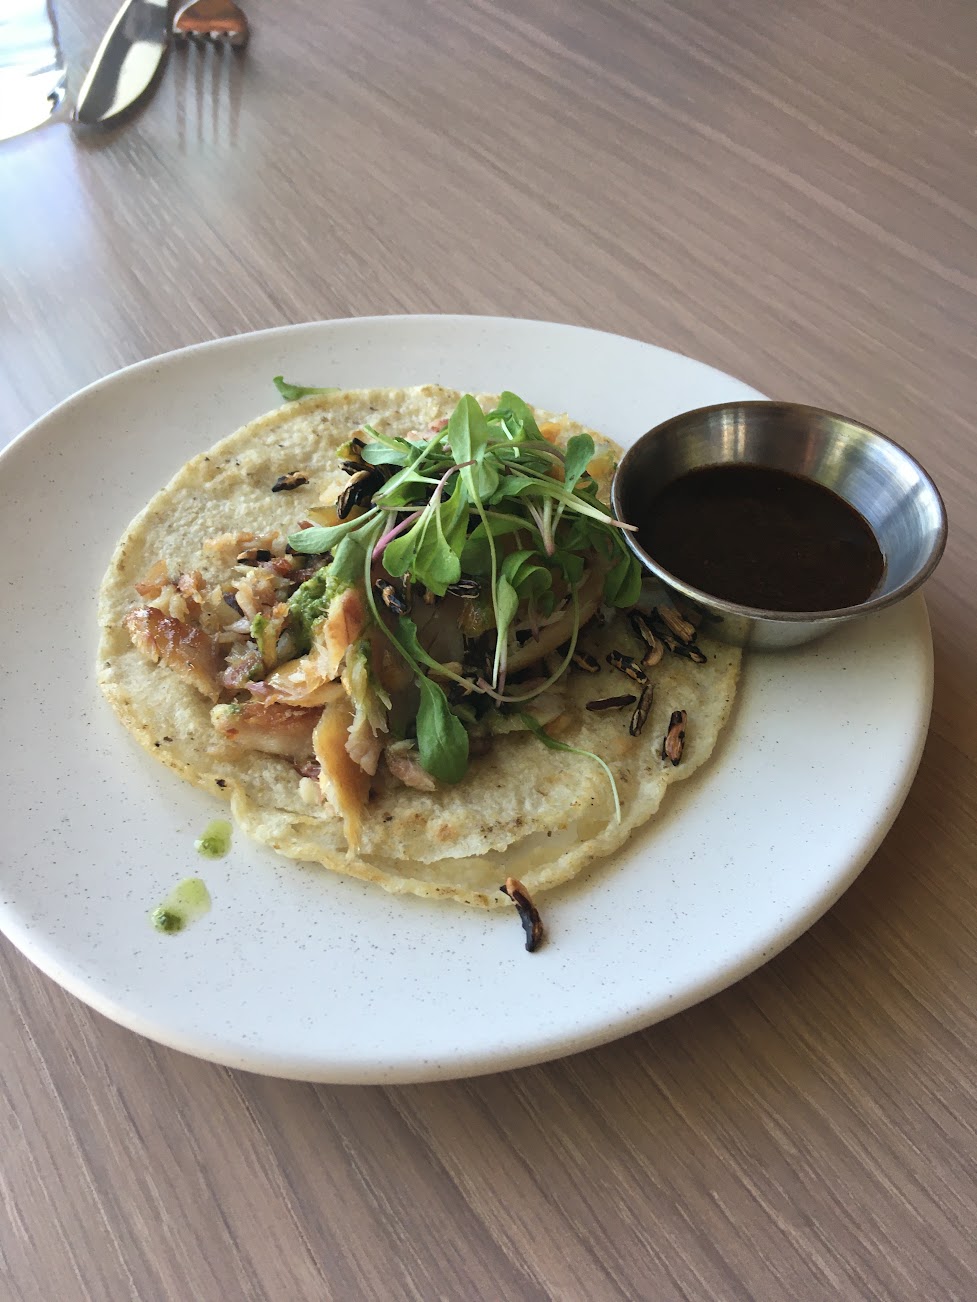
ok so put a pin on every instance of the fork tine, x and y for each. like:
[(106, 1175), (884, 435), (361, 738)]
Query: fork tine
[(220, 22)]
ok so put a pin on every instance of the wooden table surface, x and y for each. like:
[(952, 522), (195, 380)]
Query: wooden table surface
[(785, 190)]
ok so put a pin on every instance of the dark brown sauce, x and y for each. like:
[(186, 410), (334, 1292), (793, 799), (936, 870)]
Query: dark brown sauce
[(763, 538)]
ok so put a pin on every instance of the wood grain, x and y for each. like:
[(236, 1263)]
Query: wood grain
[(787, 191)]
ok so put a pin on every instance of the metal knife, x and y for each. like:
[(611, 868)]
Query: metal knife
[(126, 63)]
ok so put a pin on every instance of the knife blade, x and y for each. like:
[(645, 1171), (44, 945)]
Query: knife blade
[(126, 62)]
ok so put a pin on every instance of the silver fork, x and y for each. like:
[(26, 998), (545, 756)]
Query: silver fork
[(212, 20)]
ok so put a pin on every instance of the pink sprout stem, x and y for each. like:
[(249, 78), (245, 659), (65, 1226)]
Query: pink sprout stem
[(392, 533), (412, 519), (436, 495)]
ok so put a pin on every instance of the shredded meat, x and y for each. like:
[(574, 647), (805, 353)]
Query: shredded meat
[(370, 705), (184, 598), (297, 682), (155, 581), (273, 729), (403, 763), (344, 784), (343, 625), (194, 592), (258, 592), (284, 566), (241, 664), (184, 648)]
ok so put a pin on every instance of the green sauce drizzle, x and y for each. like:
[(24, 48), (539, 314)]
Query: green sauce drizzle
[(215, 841), (186, 902)]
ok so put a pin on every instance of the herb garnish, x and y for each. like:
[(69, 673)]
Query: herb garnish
[(291, 392), (488, 498), (537, 729)]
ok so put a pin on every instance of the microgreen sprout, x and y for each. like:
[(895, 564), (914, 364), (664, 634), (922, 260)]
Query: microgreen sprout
[(490, 500), (537, 729)]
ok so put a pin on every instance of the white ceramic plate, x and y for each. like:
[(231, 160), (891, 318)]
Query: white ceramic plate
[(298, 972)]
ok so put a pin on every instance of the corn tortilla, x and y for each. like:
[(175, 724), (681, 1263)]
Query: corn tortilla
[(522, 809)]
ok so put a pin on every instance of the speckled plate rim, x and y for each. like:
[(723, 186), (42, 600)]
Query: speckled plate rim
[(337, 981)]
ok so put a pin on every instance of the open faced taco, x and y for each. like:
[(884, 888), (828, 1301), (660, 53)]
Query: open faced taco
[(400, 632)]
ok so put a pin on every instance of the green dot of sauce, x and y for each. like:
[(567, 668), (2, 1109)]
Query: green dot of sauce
[(186, 902), (215, 841), (164, 919)]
